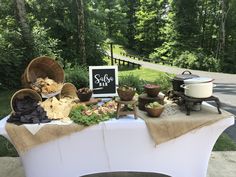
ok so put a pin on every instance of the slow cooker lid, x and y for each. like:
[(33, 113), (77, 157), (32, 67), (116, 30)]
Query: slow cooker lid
[(185, 75), (198, 80)]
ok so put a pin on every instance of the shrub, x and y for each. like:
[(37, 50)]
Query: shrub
[(44, 44), (132, 81), (78, 76), (197, 60), (210, 64), (187, 60), (165, 53), (11, 58), (14, 56), (164, 81)]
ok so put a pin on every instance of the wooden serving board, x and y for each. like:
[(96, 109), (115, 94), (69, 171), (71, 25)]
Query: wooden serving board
[(90, 102)]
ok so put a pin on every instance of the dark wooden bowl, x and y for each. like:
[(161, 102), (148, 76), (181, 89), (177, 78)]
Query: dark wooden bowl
[(84, 96), (152, 90), (125, 95), (154, 112)]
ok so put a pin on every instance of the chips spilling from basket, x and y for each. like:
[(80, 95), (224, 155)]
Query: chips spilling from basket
[(46, 86), (57, 109), (44, 75), (27, 110)]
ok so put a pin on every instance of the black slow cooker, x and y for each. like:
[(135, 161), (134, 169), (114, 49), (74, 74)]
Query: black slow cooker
[(178, 80)]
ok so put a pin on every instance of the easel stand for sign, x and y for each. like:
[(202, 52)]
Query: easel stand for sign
[(123, 108)]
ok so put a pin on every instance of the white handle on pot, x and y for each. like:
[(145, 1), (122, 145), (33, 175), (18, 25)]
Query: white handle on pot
[(184, 86)]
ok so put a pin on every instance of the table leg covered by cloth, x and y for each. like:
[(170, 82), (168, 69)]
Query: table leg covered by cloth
[(122, 145)]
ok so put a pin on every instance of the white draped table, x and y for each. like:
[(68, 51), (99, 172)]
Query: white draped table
[(122, 145)]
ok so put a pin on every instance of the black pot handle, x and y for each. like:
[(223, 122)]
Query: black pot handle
[(186, 71)]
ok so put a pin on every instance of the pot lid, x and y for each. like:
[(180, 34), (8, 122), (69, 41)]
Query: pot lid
[(198, 80), (185, 75)]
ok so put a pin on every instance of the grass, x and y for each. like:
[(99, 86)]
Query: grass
[(143, 73), (6, 148), (5, 96), (118, 49), (224, 143)]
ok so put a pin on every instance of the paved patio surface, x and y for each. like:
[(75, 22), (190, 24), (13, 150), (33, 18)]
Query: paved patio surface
[(222, 164)]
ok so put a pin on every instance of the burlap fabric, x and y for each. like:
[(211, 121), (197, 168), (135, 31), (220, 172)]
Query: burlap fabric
[(174, 123), (23, 140)]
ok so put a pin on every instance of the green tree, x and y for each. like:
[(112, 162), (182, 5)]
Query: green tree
[(186, 24), (132, 6), (60, 19), (150, 16), (168, 49), (114, 19), (229, 61)]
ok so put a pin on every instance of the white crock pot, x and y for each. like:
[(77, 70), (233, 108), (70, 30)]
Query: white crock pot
[(201, 87)]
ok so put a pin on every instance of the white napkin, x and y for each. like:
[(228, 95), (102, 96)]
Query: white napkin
[(34, 128)]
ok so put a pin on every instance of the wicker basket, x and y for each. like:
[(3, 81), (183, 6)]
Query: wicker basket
[(68, 90), (42, 67), (125, 95), (154, 112), (20, 94), (152, 90)]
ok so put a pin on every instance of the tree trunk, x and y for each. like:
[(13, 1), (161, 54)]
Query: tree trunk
[(109, 24), (203, 16), (81, 30), (25, 29), (212, 43), (221, 42)]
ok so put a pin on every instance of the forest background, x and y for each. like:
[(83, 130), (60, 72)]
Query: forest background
[(194, 34)]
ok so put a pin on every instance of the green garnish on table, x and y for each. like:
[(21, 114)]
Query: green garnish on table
[(90, 115)]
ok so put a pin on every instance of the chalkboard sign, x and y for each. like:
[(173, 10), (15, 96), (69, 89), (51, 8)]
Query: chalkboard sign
[(103, 80)]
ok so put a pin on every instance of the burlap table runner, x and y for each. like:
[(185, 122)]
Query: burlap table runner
[(174, 123), (23, 140)]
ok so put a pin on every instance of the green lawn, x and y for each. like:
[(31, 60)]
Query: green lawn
[(142, 73), (225, 143), (5, 97), (6, 149), (118, 49)]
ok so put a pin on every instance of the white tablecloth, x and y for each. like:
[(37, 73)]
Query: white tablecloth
[(122, 145)]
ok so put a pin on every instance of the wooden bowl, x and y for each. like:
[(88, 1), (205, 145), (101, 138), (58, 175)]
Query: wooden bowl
[(125, 95), (152, 90), (154, 112), (84, 96)]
